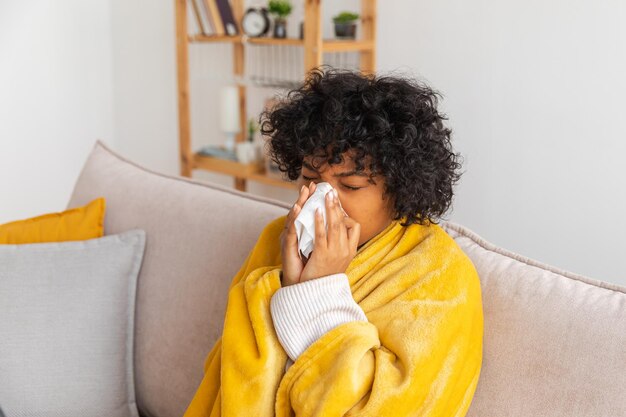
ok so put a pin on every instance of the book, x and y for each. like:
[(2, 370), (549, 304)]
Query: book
[(195, 24), (214, 17), (228, 20), (218, 151), (203, 12)]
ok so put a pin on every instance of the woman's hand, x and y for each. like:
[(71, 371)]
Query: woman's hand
[(292, 264), (333, 251)]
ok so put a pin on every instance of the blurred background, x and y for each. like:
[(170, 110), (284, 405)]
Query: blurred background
[(534, 92)]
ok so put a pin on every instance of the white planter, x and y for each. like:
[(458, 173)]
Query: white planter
[(246, 152)]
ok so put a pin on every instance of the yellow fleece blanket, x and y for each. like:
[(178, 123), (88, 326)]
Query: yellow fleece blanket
[(419, 353)]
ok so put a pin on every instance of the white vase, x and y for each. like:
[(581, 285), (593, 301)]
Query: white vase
[(259, 151), (246, 152)]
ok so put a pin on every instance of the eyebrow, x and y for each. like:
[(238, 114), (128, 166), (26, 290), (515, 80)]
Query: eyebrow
[(339, 174), (343, 174)]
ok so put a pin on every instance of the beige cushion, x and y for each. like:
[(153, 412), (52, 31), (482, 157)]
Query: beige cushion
[(554, 341)]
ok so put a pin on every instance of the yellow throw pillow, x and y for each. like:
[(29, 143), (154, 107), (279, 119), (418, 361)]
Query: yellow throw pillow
[(80, 223)]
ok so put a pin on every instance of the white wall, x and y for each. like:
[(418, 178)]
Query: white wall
[(535, 94), (144, 82), (55, 99), (533, 91)]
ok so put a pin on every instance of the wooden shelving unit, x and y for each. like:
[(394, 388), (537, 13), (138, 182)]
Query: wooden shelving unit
[(314, 46)]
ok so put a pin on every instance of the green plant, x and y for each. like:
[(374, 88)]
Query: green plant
[(280, 8), (251, 129), (345, 17)]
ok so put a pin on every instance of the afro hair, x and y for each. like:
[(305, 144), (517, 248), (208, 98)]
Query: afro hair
[(390, 123)]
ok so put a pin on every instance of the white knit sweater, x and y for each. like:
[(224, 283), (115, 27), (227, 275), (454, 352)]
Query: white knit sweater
[(303, 312)]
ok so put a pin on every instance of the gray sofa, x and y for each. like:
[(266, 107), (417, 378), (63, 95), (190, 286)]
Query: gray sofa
[(554, 343)]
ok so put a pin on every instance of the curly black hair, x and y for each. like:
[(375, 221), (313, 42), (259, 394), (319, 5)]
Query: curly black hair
[(390, 121)]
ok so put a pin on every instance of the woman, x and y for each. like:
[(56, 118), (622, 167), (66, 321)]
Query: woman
[(385, 316)]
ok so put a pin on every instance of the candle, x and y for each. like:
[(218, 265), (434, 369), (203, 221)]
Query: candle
[(230, 122)]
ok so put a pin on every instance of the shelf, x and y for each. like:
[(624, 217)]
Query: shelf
[(243, 39), (342, 45), (253, 171), (263, 178), (313, 52), (276, 41), (213, 38), (224, 166), (328, 45)]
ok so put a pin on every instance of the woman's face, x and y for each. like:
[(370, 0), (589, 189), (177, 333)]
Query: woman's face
[(361, 199)]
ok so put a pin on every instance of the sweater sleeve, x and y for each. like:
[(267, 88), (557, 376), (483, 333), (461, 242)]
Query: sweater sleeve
[(304, 312)]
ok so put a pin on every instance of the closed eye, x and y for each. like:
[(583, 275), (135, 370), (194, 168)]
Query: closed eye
[(343, 185)]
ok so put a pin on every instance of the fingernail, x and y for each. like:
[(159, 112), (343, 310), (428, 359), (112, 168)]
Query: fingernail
[(335, 192), (302, 189), (318, 211)]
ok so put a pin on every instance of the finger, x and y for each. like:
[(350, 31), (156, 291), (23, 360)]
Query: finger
[(291, 236), (291, 216), (339, 214), (349, 221), (304, 195), (354, 232), (337, 237), (342, 212), (320, 231)]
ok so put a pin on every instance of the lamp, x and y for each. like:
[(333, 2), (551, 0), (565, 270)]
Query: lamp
[(230, 118)]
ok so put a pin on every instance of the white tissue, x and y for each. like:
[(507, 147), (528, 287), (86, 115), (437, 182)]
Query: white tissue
[(305, 221)]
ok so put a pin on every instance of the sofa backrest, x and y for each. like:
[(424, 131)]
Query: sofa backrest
[(197, 237), (555, 342)]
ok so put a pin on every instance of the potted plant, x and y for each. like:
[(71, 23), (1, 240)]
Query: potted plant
[(280, 9), (345, 25), (252, 128), (249, 151)]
